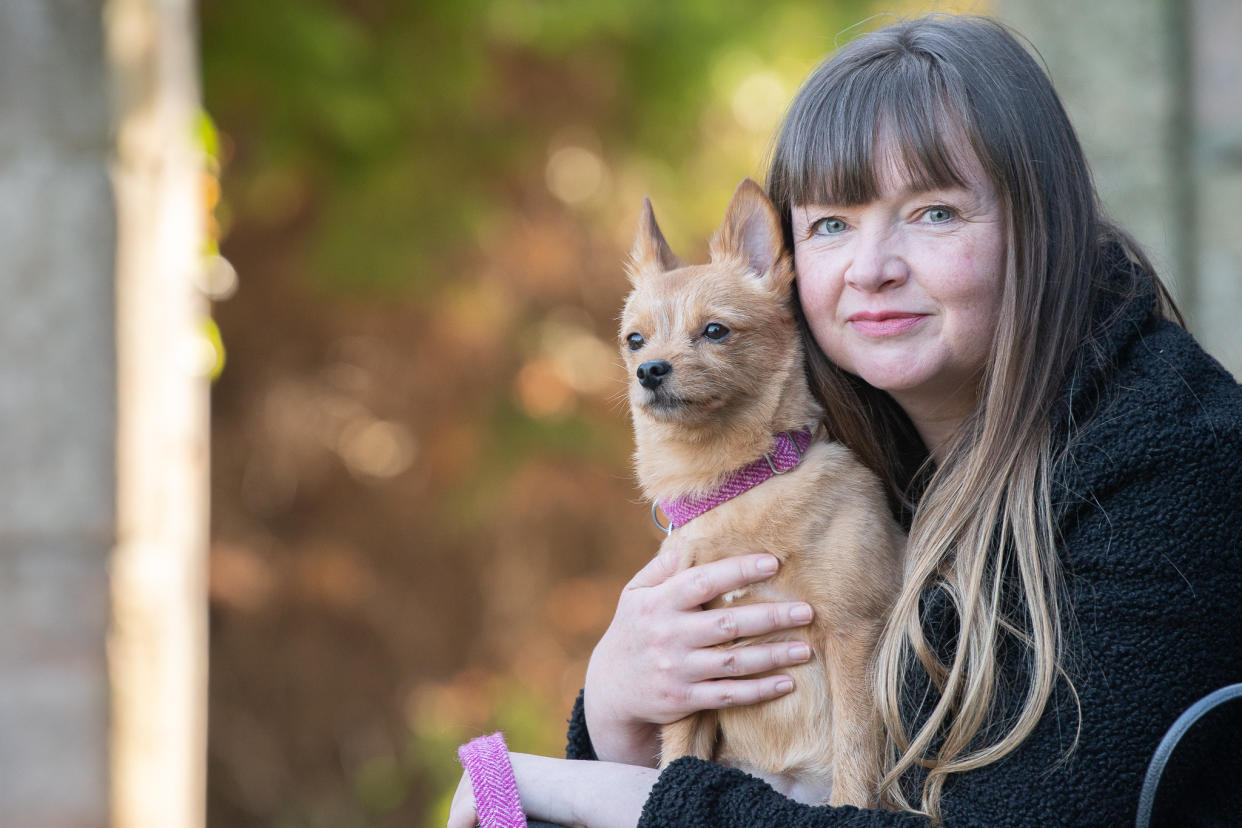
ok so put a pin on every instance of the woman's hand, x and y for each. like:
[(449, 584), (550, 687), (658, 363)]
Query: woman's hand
[(658, 662)]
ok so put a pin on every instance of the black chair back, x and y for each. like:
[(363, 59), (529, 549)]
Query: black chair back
[(1194, 779)]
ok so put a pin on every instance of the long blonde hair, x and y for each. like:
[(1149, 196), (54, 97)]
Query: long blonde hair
[(983, 530)]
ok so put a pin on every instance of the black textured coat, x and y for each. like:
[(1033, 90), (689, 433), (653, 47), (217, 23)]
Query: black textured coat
[(1151, 529)]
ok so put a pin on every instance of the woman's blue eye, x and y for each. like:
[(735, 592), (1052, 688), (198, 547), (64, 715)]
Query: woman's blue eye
[(938, 215), (828, 226)]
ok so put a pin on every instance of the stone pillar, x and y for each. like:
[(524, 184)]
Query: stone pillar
[(1151, 86), (103, 453), (58, 406), (157, 644)]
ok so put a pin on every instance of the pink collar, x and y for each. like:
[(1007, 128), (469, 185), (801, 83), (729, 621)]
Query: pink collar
[(785, 454)]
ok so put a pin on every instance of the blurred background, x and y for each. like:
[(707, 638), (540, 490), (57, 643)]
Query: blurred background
[(422, 509), (403, 226)]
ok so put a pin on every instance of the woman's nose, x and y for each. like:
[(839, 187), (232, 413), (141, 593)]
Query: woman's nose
[(877, 262)]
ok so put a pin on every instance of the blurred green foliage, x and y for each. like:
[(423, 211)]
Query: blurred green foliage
[(409, 128)]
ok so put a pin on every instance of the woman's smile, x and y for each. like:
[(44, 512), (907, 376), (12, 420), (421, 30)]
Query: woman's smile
[(885, 323)]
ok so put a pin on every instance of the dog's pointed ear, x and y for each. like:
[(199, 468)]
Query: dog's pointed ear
[(751, 231), (650, 251)]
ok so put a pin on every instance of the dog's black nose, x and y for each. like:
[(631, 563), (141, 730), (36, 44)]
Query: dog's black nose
[(652, 373)]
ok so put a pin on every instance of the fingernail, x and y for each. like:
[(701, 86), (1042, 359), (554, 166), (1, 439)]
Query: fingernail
[(768, 564), (784, 685), (799, 652), (801, 613)]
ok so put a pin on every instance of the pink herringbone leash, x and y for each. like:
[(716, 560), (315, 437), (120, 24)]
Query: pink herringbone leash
[(785, 454), (496, 800)]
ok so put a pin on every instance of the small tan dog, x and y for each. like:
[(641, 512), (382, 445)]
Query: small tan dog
[(717, 374)]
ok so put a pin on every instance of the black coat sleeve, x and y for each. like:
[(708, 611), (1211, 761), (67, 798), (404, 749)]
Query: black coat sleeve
[(691, 792), (579, 746)]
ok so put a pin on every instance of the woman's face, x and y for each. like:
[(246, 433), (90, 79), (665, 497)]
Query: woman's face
[(904, 291)]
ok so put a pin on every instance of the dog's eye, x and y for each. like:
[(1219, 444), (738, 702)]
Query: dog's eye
[(715, 331), (635, 341)]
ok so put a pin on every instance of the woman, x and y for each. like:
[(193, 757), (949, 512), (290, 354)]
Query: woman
[(1068, 460)]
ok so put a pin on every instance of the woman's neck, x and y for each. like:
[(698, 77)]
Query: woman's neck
[(936, 419)]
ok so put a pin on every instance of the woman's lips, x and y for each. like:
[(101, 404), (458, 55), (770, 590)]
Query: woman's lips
[(885, 323)]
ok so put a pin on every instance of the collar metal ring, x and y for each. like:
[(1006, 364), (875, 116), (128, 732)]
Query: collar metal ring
[(656, 520)]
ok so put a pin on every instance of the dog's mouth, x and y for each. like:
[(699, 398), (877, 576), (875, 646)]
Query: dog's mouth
[(664, 404), (661, 400)]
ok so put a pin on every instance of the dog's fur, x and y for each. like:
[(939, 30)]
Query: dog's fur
[(718, 408)]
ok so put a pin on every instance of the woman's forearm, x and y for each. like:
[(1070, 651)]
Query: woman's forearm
[(580, 793)]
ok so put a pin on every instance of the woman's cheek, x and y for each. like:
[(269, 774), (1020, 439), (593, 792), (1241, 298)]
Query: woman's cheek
[(814, 288), (820, 319)]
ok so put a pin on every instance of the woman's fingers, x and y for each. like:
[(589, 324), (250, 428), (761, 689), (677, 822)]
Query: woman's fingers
[(699, 584), (713, 695), (721, 626), (735, 662), (658, 661), (658, 570)]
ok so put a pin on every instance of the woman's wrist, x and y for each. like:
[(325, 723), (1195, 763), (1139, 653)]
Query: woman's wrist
[(617, 739), (580, 793), (496, 797)]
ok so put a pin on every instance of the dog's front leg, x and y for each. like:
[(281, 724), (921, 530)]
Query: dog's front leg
[(694, 735), (856, 750)]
